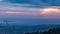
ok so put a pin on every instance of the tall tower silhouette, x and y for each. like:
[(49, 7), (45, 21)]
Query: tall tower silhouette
[(6, 22)]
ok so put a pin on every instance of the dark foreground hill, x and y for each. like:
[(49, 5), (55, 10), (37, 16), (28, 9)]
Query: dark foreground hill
[(50, 31)]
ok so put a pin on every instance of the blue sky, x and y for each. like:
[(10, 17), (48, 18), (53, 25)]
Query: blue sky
[(30, 3), (38, 3), (30, 9)]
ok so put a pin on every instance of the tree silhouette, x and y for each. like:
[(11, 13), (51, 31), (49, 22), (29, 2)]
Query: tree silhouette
[(50, 31)]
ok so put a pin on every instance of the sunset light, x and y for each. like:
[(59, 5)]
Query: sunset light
[(50, 10)]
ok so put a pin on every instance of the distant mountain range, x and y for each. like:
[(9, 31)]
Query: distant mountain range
[(21, 28)]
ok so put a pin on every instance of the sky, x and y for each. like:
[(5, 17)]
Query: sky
[(34, 9)]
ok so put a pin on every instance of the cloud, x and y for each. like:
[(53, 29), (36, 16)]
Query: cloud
[(17, 9), (48, 12), (31, 3), (11, 7), (36, 2), (30, 9)]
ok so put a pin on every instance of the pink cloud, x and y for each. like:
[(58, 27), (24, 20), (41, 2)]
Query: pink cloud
[(47, 12)]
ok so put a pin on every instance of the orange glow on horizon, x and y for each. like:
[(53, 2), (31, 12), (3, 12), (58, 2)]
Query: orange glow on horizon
[(53, 10)]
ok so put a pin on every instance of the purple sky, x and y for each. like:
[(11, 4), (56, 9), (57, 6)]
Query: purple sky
[(38, 9)]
